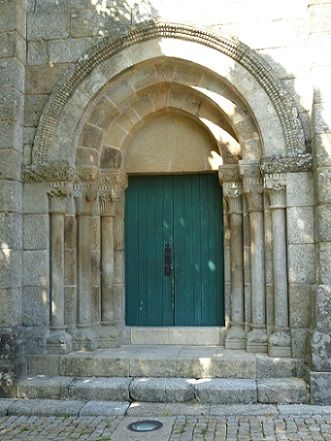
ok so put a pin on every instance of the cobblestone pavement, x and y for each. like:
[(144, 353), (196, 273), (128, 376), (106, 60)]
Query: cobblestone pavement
[(178, 428)]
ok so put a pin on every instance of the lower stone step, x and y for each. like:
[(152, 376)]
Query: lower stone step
[(171, 390)]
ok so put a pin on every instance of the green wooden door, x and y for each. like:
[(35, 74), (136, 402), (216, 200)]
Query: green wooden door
[(174, 251)]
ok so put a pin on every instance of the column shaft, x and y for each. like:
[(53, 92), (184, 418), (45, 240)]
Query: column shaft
[(279, 341), (107, 265), (58, 340)]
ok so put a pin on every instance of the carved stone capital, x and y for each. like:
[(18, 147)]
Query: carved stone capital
[(87, 174), (117, 180), (292, 163), (57, 197), (232, 192), (107, 202), (229, 173), (275, 185), (86, 201), (252, 184), (48, 172)]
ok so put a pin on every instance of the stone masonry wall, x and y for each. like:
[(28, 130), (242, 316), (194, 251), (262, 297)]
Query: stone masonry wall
[(12, 81)]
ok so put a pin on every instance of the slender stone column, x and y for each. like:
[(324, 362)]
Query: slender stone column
[(279, 341), (84, 338), (58, 341), (253, 189), (232, 191), (107, 213)]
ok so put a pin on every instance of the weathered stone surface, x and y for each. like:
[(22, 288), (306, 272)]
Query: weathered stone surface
[(324, 269), (300, 225), (11, 104), (179, 389), (43, 364), (46, 407), (320, 385), (282, 391), (322, 300), (226, 391), (101, 389), (13, 16), (11, 227), (12, 73), (321, 351), (104, 408), (5, 405), (35, 268), (268, 367), (12, 44), (301, 263), (37, 52), (42, 78), (303, 198), (243, 409), (303, 409), (34, 105), (40, 26), (11, 310), (35, 307), (110, 157), (66, 51), (44, 387), (148, 389), (11, 135), (167, 409), (35, 231), (300, 298), (78, 364), (11, 267)]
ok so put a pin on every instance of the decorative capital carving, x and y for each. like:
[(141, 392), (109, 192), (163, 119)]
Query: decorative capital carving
[(229, 173), (49, 172), (86, 201), (57, 199), (275, 185), (116, 180), (107, 202), (87, 174), (292, 163), (232, 192), (252, 184)]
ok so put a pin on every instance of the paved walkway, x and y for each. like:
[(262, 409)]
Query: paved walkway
[(180, 423)]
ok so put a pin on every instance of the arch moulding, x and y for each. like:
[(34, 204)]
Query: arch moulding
[(53, 117)]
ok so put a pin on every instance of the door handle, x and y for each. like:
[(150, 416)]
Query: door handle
[(167, 259)]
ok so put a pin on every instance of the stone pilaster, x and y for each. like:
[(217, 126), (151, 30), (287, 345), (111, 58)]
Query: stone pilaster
[(232, 191), (84, 337), (58, 341), (253, 190), (279, 341)]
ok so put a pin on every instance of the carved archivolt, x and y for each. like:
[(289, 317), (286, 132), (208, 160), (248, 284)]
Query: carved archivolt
[(239, 52)]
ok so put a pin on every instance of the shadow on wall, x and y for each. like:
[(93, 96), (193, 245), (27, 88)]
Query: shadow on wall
[(121, 13)]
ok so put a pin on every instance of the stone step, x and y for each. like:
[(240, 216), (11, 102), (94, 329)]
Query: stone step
[(211, 391), (166, 361)]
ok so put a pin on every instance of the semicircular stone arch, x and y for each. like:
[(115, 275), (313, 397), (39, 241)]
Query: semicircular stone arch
[(241, 68)]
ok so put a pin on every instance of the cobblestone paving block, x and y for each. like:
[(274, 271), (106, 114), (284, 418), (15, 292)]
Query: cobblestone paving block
[(226, 391), (113, 389), (181, 427), (46, 407), (105, 408)]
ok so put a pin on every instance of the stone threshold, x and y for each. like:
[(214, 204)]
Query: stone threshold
[(76, 408), (166, 361), (171, 390), (177, 335)]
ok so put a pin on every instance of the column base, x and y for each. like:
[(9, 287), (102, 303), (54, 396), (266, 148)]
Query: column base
[(85, 340), (280, 344), (109, 335), (59, 342), (235, 338), (257, 341)]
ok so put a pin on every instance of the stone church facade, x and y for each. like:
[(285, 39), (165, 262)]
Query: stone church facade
[(94, 92)]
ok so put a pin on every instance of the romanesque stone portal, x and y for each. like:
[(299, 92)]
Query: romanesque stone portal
[(109, 89)]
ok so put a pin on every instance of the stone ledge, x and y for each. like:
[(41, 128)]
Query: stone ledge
[(209, 391), (22, 407)]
